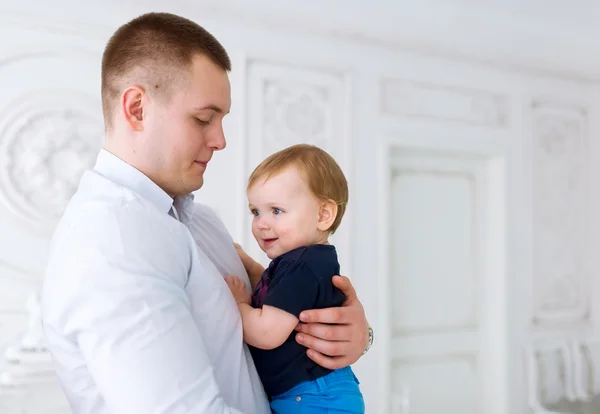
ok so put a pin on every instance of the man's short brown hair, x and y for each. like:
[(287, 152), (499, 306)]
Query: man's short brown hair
[(322, 174), (152, 51)]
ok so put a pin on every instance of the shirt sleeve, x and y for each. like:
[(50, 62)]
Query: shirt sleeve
[(131, 319), (294, 290)]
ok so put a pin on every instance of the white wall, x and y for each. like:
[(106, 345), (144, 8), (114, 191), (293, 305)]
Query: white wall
[(465, 133)]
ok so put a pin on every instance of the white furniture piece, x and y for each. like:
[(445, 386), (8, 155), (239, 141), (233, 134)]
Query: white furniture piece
[(28, 384), (550, 375), (586, 359)]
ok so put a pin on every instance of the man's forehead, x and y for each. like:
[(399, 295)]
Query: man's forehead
[(209, 87), (210, 99)]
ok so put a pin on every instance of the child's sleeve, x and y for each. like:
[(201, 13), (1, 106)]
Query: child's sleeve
[(296, 290)]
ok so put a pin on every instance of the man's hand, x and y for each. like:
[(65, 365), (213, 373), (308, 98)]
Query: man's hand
[(238, 289), (336, 337)]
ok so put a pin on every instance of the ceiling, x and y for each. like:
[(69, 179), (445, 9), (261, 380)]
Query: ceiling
[(574, 13), (558, 36)]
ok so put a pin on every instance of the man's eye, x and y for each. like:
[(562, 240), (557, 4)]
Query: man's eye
[(202, 122)]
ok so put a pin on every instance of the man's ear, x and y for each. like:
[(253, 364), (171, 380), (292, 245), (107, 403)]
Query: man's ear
[(132, 107), (327, 214)]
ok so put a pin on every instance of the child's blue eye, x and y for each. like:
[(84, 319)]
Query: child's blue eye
[(277, 211), (254, 212)]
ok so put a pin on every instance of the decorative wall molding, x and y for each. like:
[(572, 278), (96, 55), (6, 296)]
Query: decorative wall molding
[(444, 103), (49, 137), (296, 113), (297, 105), (560, 174), (289, 105)]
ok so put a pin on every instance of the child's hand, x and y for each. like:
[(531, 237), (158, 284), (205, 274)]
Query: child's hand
[(246, 260), (238, 248), (252, 267), (238, 289)]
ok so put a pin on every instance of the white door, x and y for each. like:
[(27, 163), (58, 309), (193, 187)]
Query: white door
[(445, 288)]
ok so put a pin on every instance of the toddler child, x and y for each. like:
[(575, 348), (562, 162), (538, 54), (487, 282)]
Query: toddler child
[(297, 197)]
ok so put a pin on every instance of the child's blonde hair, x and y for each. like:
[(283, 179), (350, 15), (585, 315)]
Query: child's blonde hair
[(320, 171)]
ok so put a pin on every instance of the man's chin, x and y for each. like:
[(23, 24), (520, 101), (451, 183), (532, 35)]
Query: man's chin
[(194, 186)]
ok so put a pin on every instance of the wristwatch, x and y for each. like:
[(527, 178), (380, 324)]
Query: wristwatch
[(370, 340)]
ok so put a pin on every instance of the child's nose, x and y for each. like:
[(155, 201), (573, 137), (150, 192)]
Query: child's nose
[(262, 224)]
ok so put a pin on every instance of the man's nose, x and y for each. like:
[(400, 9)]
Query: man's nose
[(217, 140)]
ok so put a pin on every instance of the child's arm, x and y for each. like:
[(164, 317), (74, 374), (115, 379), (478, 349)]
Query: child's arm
[(265, 328)]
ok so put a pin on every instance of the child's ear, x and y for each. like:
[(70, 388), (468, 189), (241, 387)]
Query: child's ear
[(327, 215)]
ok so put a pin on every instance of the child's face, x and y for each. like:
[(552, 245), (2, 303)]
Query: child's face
[(286, 214)]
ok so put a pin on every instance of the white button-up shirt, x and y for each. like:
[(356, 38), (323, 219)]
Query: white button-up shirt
[(137, 315)]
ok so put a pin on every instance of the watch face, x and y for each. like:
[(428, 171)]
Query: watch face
[(370, 340)]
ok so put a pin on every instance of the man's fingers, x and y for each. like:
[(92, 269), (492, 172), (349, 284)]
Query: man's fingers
[(338, 315), (328, 362), (344, 284), (329, 348), (327, 332)]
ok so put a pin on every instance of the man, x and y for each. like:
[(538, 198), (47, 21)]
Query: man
[(136, 311)]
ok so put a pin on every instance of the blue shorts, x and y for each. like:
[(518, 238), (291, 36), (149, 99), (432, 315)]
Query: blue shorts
[(337, 392)]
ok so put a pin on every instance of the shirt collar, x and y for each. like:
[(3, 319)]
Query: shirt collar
[(118, 171)]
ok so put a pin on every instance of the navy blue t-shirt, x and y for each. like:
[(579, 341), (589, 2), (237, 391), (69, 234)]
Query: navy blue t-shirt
[(295, 281)]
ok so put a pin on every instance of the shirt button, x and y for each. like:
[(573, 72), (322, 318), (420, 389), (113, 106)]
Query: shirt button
[(298, 399)]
